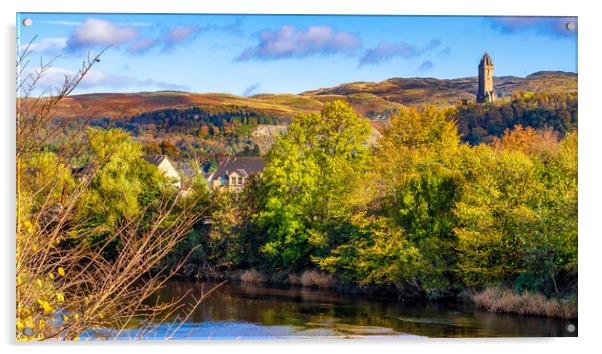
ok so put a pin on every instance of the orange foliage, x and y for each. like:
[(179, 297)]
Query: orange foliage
[(528, 140)]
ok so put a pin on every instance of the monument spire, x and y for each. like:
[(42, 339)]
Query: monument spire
[(486, 93)]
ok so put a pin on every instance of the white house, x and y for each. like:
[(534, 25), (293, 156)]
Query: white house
[(164, 165)]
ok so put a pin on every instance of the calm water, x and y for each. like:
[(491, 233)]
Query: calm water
[(239, 311)]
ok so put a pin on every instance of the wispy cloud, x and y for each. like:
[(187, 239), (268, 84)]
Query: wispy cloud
[(234, 27), (95, 32), (179, 34), (251, 89), (55, 77), (62, 23), (550, 26), (170, 38), (444, 52), (48, 46), (161, 85), (426, 66), (142, 45), (387, 50), (288, 42), (136, 24), (79, 23)]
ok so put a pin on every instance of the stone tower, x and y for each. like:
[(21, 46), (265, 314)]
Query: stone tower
[(486, 93)]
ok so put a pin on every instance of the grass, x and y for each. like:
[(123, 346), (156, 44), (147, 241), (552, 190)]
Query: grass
[(503, 300), (294, 279), (315, 279), (252, 276)]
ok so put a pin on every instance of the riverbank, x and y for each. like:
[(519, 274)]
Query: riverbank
[(490, 299)]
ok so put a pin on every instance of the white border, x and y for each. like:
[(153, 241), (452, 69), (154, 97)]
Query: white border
[(589, 177), (428, 7)]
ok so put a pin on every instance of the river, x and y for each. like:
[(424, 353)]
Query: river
[(241, 311)]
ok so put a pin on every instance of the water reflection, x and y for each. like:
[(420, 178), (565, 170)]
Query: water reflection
[(257, 312)]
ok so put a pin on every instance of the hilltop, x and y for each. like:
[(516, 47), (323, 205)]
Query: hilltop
[(441, 92)]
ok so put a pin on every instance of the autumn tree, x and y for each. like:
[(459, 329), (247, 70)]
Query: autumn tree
[(406, 236), (517, 223), (310, 172)]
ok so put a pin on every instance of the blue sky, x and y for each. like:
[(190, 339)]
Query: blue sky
[(251, 54)]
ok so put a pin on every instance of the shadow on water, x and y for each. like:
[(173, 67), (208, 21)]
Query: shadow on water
[(260, 312)]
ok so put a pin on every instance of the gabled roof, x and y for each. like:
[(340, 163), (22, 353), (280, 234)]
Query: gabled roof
[(187, 169), (245, 166), (154, 159)]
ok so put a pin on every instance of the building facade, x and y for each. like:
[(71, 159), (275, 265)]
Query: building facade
[(233, 173), (164, 165)]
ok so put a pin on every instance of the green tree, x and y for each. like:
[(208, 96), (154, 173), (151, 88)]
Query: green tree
[(122, 188), (310, 172), (407, 237)]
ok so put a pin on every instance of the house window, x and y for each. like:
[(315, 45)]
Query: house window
[(240, 180)]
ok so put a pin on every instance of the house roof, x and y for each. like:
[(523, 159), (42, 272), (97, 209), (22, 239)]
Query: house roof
[(154, 159), (187, 169), (245, 166)]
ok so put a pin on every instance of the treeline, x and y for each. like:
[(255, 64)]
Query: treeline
[(200, 133), (480, 123), (423, 213), (192, 120)]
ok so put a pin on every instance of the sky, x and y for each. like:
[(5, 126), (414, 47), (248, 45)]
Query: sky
[(252, 54)]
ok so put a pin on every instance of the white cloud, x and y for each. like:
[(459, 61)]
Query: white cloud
[(288, 41), (95, 32)]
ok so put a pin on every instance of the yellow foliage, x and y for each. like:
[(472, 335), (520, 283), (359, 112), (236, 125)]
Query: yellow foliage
[(45, 305)]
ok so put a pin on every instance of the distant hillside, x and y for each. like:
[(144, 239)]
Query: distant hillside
[(372, 99), (119, 105), (415, 91)]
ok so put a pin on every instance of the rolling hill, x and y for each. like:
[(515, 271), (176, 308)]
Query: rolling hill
[(371, 99)]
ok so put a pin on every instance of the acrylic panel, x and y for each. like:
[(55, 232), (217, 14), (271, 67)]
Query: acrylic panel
[(204, 176)]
